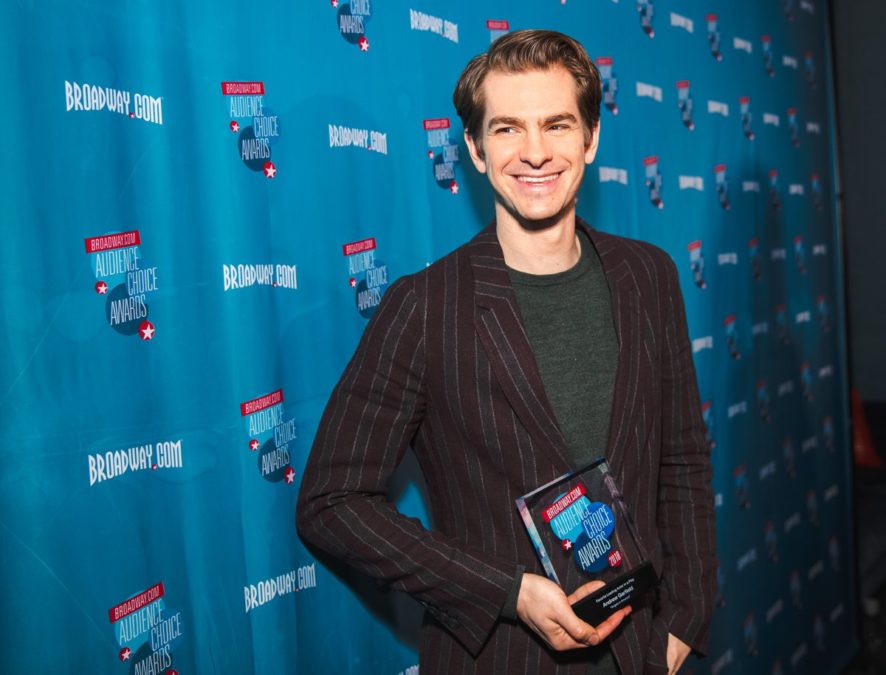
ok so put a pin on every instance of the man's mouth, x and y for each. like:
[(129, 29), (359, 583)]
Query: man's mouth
[(538, 180)]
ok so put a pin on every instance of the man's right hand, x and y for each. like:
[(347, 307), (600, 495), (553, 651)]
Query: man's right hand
[(543, 606)]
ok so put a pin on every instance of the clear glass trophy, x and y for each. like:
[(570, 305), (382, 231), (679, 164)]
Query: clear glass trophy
[(582, 516)]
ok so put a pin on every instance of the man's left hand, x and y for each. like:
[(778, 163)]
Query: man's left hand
[(677, 653)]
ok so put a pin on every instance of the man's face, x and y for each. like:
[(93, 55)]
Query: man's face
[(535, 146)]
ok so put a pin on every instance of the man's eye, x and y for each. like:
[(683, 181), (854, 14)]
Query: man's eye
[(505, 130), (559, 127)]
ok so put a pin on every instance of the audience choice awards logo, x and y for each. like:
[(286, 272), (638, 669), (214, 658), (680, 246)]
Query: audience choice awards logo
[(653, 181), (794, 127), (497, 28), (730, 328), (124, 280), (443, 153), (744, 103), (721, 185), (148, 631), (646, 10), (684, 103), (707, 416), (768, 58), (255, 126), (774, 194), (609, 83), (367, 275), (754, 256), (816, 190), (714, 36), (809, 68), (270, 433), (584, 527), (352, 18), (696, 264)]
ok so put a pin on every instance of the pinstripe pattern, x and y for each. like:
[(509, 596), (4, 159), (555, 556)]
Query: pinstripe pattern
[(445, 365)]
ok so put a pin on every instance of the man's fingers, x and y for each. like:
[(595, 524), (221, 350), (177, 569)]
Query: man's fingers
[(584, 590), (612, 622), (586, 634)]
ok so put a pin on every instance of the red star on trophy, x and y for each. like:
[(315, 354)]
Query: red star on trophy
[(125, 653), (146, 330), (453, 187), (253, 444), (269, 169), (101, 288), (566, 545), (235, 126), (289, 475), (364, 43)]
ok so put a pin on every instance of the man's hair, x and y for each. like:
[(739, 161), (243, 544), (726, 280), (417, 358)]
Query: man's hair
[(522, 51)]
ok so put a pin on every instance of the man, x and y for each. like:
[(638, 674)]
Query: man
[(507, 363)]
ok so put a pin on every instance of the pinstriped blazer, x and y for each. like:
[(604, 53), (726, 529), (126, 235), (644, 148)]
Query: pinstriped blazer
[(445, 365)]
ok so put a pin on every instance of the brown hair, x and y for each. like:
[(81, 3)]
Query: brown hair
[(519, 52)]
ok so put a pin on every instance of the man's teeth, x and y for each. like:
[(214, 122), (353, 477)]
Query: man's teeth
[(537, 179)]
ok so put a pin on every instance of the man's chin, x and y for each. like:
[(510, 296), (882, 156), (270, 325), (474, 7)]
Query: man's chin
[(534, 223)]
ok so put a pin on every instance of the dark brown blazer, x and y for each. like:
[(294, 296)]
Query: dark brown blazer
[(445, 365)]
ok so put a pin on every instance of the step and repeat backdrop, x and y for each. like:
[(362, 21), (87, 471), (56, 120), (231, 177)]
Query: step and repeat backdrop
[(202, 205)]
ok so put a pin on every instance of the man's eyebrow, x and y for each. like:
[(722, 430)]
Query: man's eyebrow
[(504, 119), (561, 117)]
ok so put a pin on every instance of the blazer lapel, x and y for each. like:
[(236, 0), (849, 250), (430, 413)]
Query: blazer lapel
[(506, 344), (626, 314)]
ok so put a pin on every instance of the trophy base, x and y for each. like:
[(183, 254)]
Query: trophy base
[(626, 589)]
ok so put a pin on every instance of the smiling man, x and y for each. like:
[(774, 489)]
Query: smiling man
[(527, 352)]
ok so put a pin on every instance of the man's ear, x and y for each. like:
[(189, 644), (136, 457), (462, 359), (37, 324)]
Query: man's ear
[(476, 153), (591, 148)]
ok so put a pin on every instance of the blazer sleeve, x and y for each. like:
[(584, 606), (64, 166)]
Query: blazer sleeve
[(685, 499), (373, 414)]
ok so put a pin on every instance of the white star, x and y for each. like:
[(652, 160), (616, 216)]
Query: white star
[(289, 475), (453, 187), (430, 154), (253, 444), (146, 330), (125, 653), (235, 127), (364, 43), (101, 288), (334, 3), (270, 169)]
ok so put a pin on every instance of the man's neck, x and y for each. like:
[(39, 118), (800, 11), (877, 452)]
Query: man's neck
[(546, 250)]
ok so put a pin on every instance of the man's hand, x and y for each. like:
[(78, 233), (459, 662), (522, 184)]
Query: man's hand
[(677, 653), (543, 606)]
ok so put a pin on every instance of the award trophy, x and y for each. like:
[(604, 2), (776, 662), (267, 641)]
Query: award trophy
[(582, 515)]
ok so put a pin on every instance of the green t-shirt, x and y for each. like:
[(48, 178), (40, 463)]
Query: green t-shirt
[(568, 318)]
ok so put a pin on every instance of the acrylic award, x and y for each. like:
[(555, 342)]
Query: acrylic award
[(582, 517)]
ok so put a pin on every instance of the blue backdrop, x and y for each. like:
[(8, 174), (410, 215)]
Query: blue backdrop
[(203, 202)]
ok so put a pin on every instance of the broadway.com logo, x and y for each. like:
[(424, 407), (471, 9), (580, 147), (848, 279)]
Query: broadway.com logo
[(92, 98)]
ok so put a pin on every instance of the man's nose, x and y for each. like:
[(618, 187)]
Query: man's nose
[(536, 149)]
